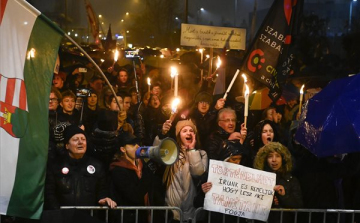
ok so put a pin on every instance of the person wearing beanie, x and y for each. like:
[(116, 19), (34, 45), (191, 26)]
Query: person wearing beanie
[(178, 178), (76, 179), (204, 114), (275, 157), (138, 177)]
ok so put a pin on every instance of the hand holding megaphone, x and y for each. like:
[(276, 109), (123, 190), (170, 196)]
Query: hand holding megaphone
[(166, 153)]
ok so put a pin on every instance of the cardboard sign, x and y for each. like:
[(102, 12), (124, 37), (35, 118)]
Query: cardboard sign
[(212, 36), (239, 191)]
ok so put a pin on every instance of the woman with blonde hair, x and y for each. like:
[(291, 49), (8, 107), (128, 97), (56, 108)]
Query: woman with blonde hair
[(178, 178)]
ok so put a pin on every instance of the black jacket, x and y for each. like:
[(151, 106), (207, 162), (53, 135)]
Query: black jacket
[(204, 123), (218, 147), (71, 182)]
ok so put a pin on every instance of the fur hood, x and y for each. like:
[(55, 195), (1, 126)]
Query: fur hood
[(260, 161)]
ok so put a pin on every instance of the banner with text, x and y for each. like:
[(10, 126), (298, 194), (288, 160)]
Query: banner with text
[(212, 36), (240, 191)]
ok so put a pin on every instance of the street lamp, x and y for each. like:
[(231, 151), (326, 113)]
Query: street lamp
[(350, 13), (198, 14)]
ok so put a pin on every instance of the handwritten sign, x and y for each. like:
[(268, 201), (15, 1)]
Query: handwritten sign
[(240, 191), (212, 36)]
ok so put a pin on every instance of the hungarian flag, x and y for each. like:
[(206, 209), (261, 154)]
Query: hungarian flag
[(29, 43), (267, 58)]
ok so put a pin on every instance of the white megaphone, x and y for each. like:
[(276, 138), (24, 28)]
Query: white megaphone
[(166, 153)]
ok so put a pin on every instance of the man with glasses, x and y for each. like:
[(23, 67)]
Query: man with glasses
[(221, 143)]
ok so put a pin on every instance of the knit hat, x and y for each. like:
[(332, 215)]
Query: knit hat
[(107, 120), (181, 124), (126, 138), (204, 96), (70, 131)]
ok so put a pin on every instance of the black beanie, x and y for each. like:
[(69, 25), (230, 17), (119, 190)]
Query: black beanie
[(70, 131)]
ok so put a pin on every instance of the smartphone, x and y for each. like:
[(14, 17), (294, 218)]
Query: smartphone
[(131, 54), (82, 70), (83, 92)]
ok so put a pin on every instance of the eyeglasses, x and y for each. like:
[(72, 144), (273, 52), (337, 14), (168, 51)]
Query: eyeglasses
[(53, 100), (228, 120)]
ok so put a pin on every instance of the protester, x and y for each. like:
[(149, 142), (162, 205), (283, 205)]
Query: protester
[(220, 143), (96, 84), (276, 158), (265, 132), (90, 112), (58, 81), (131, 180), (179, 178), (76, 179), (204, 115)]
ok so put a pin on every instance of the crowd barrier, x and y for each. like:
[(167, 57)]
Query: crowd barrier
[(204, 216), (297, 215)]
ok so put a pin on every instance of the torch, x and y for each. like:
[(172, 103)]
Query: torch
[(301, 97), (149, 84), (174, 106)]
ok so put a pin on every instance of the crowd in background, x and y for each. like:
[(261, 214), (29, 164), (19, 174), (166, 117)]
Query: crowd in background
[(205, 126)]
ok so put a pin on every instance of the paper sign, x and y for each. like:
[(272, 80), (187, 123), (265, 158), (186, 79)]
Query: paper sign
[(212, 36), (239, 191)]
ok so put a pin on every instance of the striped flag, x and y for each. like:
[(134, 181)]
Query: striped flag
[(29, 43)]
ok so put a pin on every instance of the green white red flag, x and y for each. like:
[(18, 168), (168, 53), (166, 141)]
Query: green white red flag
[(29, 43)]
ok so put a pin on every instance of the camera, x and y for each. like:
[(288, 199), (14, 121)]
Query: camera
[(83, 92)]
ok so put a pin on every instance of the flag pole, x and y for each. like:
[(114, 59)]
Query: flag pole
[(96, 66)]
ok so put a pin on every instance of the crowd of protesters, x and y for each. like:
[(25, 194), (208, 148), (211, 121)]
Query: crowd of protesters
[(93, 142)]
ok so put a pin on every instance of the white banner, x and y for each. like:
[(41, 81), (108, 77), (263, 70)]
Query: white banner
[(213, 36), (240, 191)]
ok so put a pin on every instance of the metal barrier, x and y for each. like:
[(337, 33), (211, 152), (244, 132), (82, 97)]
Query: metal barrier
[(298, 215), (135, 208), (338, 216)]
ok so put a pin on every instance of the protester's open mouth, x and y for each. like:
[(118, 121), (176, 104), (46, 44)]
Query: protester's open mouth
[(188, 138), (269, 139)]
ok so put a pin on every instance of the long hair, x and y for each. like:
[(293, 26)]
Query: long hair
[(170, 171)]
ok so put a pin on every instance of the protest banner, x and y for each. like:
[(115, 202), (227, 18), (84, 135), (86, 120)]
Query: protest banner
[(239, 191), (213, 36)]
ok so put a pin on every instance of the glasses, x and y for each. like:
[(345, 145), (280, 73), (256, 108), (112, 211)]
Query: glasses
[(53, 100), (228, 120)]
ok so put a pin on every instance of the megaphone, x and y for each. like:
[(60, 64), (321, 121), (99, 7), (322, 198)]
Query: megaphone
[(166, 153)]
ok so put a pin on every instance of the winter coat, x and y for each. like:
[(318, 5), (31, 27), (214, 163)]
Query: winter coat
[(75, 182), (182, 190), (218, 147), (129, 187), (204, 123)]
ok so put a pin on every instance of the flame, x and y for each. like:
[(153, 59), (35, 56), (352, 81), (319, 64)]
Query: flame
[(174, 104), (173, 72), (116, 55), (148, 81), (218, 64), (245, 78), (302, 89)]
